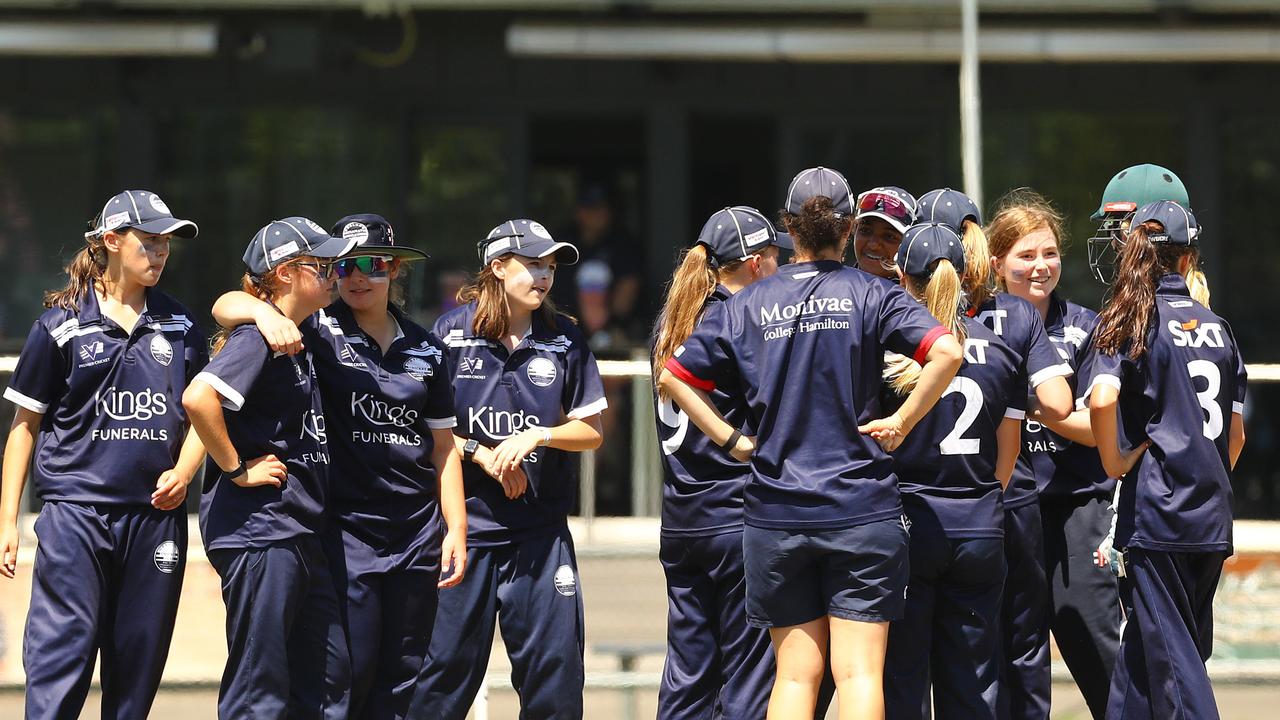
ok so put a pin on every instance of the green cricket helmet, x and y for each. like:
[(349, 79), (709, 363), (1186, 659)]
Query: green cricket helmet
[(1129, 190)]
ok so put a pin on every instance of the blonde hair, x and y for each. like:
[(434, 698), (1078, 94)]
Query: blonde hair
[(1021, 212), (941, 295), (976, 280), (687, 293)]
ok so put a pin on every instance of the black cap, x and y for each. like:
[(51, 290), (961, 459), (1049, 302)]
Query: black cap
[(526, 238), (373, 236), (280, 241), (926, 243), (142, 210), (1180, 226), (819, 181), (736, 233), (949, 207)]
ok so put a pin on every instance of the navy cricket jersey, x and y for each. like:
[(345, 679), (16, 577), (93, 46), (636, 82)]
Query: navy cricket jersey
[(111, 398), (1017, 322), (380, 408), (550, 375), (946, 467), (1180, 394), (702, 488), (271, 406), (1063, 468), (806, 348)]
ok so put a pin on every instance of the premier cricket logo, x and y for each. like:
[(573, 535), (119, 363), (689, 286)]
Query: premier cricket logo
[(91, 353), (471, 368)]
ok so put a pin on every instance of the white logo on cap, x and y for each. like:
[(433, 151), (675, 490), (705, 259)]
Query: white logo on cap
[(357, 231), (418, 368), (115, 220), (756, 237), (284, 250), (159, 205), (166, 557), (537, 229), (542, 372), (311, 224), (564, 580), (161, 350)]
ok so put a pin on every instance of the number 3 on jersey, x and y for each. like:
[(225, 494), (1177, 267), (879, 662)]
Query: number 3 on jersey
[(674, 418), (953, 443), (1209, 397)]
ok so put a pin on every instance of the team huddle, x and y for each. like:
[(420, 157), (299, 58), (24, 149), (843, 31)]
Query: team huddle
[(884, 485)]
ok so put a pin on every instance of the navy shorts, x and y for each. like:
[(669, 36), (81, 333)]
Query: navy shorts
[(797, 576)]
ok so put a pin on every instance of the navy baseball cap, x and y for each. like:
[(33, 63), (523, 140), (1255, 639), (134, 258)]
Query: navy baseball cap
[(280, 241), (373, 236), (141, 210), (949, 207), (526, 238), (819, 181), (891, 204), (738, 232), (926, 243), (1180, 226)]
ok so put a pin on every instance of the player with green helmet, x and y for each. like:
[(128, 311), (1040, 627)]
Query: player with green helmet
[(1129, 190)]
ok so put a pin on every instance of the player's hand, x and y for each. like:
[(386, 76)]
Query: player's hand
[(888, 431), (512, 451), (743, 449), (514, 482), (265, 470), (1132, 457), (453, 557), (281, 333), (171, 490), (9, 550)]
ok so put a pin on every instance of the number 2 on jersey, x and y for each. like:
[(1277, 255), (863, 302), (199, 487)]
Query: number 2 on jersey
[(953, 443)]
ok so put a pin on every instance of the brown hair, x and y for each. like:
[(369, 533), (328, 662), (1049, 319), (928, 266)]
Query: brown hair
[(265, 287), (818, 227), (84, 272), (493, 315), (1021, 212), (1128, 314), (976, 280), (692, 284), (941, 295)]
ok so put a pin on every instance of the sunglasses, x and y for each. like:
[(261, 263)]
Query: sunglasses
[(370, 265), (885, 203), (322, 270)]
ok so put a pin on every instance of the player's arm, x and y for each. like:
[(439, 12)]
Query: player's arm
[(447, 460), (703, 413), (240, 308), (204, 406), (1235, 439), (171, 488), (17, 460), (1054, 398), (1076, 427), (1103, 408), (1008, 443)]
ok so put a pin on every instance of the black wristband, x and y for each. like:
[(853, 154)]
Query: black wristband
[(732, 441), (469, 449), (240, 470)]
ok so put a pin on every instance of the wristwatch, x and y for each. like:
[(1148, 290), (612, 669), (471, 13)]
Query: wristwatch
[(469, 449), (240, 470)]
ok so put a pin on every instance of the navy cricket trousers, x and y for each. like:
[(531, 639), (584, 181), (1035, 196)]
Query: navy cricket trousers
[(388, 605), (529, 589), (1024, 679), (949, 636), (286, 650), (106, 578), (1086, 614), (1160, 673), (718, 666)]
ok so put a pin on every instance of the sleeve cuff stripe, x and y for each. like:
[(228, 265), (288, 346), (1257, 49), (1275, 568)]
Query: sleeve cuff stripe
[(442, 423), (1015, 413), (689, 378), (1237, 408), (231, 399), (1053, 371), (29, 403), (922, 351), (592, 408)]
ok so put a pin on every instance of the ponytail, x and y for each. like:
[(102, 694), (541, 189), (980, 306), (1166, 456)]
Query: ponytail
[(941, 295), (1129, 311), (84, 272), (976, 281), (692, 284)]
